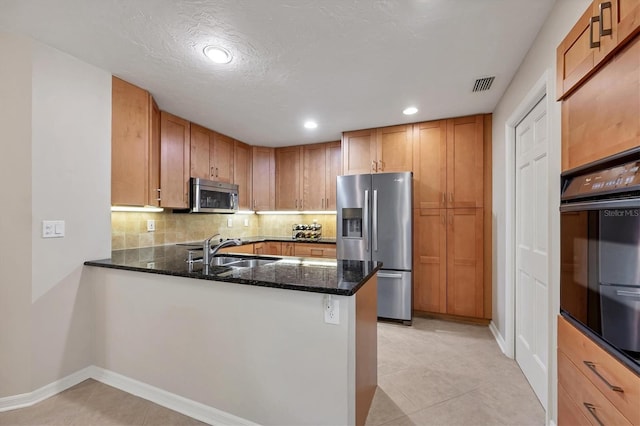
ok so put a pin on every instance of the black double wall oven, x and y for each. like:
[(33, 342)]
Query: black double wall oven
[(600, 253)]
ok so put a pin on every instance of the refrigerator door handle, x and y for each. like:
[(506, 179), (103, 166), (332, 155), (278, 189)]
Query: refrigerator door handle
[(365, 220), (374, 219), (387, 275)]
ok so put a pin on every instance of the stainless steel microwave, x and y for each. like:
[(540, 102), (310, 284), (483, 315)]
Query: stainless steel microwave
[(213, 197)]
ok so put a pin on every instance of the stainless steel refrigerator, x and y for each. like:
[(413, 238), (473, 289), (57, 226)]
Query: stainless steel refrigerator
[(375, 223)]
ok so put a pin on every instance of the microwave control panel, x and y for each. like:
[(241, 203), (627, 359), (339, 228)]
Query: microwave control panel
[(616, 179)]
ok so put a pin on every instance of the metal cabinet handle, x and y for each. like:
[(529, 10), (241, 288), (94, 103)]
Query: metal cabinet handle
[(602, 7), (374, 168), (592, 367), (593, 44), (381, 166), (211, 172), (323, 204), (374, 219), (444, 198), (451, 197), (592, 410), (159, 195)]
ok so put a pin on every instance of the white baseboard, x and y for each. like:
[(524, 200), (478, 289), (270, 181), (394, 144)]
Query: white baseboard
[(188, 407), (47, 391), (499, 339), (159, 396)]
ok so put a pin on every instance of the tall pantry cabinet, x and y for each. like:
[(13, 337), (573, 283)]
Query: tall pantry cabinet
[(450, 175)]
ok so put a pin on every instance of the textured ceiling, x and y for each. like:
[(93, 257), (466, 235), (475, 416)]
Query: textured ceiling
[(348, 64)]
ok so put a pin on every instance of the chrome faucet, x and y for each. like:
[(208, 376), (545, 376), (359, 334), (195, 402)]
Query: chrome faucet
[(208, 252)]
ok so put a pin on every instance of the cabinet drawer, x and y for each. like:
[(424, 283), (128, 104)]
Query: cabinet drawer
[(590, 401), (598, 366), (245, 248), (568, 411), (315, 250)]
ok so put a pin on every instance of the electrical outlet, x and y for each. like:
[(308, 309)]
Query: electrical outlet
[(246, 222), (331, 310), (229, 222), (151, 265), (151, 225)]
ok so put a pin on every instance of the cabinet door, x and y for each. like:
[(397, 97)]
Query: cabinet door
[(430, 164), (359, 152), (288, 178), (626, 19), (465, 292), (394, 150), (618, 21), (242, 173), (174, 161), (154, 161), (465, 162), (430, 260), (603, 117), (221, 158), (263, 178), (575, 54), (334, 169), (288, 249), (314, 176), (130, 139), (201, 142)]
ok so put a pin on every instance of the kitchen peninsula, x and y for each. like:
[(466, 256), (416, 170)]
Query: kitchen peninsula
[(251, 342)]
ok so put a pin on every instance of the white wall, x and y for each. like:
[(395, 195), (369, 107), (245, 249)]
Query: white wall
[(55, 164), (262, 354), (541, 58), (15, 214)]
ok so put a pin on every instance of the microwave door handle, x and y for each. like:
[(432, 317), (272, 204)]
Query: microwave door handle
[(365, 220)]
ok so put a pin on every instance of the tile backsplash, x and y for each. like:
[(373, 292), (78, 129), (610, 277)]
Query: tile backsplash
[(129, 229)]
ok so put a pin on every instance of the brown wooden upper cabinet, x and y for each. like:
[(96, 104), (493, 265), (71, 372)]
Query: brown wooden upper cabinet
[(387, 149), (211, 155), (603, 28), (135, 146), (174, 161), (242, 170), (263, 178), (289, 178), (322, 163), (448, 163)]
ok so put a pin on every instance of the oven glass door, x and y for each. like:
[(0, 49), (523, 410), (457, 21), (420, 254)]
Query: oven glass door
[(600, 273)]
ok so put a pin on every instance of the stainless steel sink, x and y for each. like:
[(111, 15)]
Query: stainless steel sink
[(225, 260), (250, 263), (240, 262)]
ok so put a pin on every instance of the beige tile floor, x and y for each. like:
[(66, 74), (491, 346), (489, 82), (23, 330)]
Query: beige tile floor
[(445, 373), (432, 373)]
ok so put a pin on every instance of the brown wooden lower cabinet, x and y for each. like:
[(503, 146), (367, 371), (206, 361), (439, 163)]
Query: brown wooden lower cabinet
[(315, 250), (268, 247), (448, 262), (245, 248), (592, 383)]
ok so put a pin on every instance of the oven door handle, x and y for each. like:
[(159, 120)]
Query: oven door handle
[(629, 203)]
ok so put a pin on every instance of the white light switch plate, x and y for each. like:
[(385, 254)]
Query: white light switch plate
[(331, 310), (52, 228)]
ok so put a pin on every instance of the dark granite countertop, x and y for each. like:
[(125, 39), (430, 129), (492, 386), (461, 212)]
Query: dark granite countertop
[(341, 277), (262, 239)]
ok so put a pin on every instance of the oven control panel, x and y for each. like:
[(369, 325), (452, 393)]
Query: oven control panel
[(625, 177)]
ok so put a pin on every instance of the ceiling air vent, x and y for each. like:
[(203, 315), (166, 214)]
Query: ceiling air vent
[(483, 84)]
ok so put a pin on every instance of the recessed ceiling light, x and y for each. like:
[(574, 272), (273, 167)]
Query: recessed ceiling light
[(310, 124), (410, 111), (218, 55)]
